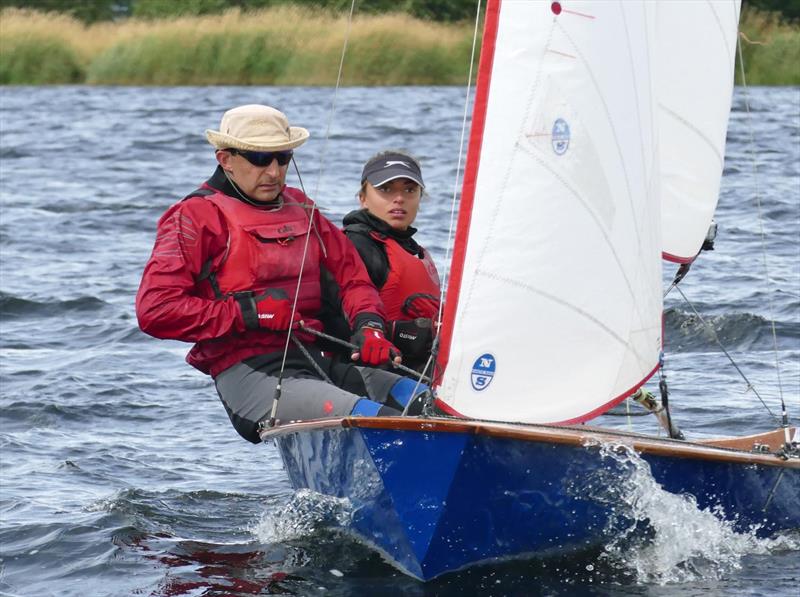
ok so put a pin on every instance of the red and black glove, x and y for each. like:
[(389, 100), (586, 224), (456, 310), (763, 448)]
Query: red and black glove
[(269, 310), (421, 305), (373, 347), (414, 336)]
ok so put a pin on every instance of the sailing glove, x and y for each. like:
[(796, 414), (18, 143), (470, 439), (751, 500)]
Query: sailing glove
[(269, 310), (412, 337), (421, 305), (373, 347)]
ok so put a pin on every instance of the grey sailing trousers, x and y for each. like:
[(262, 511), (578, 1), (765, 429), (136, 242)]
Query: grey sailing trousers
[(247, 394)]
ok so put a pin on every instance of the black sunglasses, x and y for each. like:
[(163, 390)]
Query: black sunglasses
[(263, 158)]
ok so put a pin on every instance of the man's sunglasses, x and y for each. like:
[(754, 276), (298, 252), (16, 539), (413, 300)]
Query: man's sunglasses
[(262, 159)]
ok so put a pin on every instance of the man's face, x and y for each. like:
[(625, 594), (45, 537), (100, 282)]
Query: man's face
[(262, 183)]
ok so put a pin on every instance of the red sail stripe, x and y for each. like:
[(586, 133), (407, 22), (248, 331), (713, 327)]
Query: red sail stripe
[(608, 405), (470, 176), (675, 258)]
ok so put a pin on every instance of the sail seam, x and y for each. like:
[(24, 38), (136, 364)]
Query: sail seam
[(574, 192), (481, 252), (636, 103), (502, 188), (623, 165), (511, 282), (725, 44), (695, 130)]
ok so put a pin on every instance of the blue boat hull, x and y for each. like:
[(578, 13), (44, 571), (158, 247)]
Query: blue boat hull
[(437, 497)]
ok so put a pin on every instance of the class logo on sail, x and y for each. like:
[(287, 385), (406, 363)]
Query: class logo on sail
[(483, 371), (560, 136)]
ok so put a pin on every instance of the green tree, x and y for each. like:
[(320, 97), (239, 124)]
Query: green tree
[(156, 9), (789, 9), (443, 10), (88, 11)]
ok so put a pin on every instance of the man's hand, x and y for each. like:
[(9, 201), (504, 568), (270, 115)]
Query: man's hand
[(269, 310), (373, 347)]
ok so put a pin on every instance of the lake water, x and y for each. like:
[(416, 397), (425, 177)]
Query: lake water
[(121, 474)]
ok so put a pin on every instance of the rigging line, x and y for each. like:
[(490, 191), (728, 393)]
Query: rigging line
[(354, 348), (335, 96), (311, 360), (311, 226), (751, 146), (708, 326), (457, 181)]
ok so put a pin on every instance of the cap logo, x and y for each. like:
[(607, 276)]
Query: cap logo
[(395, 163)]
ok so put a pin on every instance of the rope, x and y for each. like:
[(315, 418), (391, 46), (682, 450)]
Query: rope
[(751, 145), (456, 186), (355, 348), (708, 326), (311, 360), (277, 395), (628, 413), (751, 42)]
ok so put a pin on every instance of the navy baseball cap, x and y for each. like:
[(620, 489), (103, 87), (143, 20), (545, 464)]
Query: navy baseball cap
[(389, 166)]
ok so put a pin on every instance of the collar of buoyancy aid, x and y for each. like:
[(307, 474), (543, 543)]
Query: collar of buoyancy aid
[(360, 220)]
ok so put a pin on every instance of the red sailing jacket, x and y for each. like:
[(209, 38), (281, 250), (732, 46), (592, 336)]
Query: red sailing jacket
[(408, 275), (246, 248)]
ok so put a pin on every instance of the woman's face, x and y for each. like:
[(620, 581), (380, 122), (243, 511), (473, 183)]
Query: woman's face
[(395, 202)]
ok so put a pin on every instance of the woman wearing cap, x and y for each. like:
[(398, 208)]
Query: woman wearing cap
[(403, 271), (224, 274)]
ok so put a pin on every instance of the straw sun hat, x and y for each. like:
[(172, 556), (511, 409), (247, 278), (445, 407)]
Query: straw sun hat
[(256, 128)]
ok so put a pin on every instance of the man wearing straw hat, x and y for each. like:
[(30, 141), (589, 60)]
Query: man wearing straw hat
[(236, 265)]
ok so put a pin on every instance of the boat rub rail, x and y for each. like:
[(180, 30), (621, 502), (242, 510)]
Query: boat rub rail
[(722, 449)]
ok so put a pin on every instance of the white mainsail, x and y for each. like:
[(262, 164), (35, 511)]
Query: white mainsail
[(695, 66), (554, 303)]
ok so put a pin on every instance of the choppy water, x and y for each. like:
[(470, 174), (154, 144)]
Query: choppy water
[(120, 474)]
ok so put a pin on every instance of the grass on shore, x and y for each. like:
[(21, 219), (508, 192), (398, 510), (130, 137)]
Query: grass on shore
[(284, 45), (289, 45), (771, 49)]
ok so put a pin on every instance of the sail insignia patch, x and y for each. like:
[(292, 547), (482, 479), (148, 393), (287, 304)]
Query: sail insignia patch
[(560, 137), (483, 372)]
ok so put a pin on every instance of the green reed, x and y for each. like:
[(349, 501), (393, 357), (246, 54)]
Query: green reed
[(771, 49), (38, 60), (289, 45)]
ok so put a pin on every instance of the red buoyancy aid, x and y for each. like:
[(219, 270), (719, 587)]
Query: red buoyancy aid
[(408, 275), (265, 249)]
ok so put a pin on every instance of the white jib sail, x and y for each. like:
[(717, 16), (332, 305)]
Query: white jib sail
[(559, 309), (695, 65)]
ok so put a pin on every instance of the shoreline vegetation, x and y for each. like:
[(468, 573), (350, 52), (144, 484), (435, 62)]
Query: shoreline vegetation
[(292, 45)]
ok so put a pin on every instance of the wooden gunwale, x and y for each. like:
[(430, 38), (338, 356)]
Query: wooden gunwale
[(575, 436)]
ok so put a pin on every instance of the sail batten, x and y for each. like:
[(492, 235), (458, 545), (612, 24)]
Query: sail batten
[(558, 259)]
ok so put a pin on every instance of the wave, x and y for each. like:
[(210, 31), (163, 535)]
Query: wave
[(686, 332), (7, 153), (646, 541), (15, 307)]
